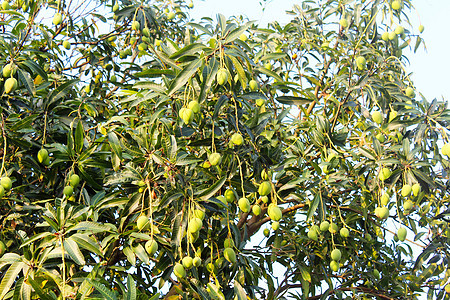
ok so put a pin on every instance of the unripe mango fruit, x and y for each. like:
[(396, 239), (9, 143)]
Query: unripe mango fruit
[(229, 255), (401, 234), (57, 19), (142, 222), (244, 204), (151, 246), (336, 255), (42, 155), (274, 212), (179, 270), (265, 188), (6, 183), (10, 85)]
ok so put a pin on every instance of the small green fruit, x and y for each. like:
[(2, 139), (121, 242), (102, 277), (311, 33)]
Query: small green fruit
[(376, 274), (446, 149), (275, 226), (264, 199), (333, 228), (266, 232), (10, 85), (135, 25), (399, 30), (384, 199), (229, 255), (385, 36), (68, 191), (171, 15), (194, 106), (392, 115), (143, 223), (361, 62), (2, 248), (313, 233), (268, 66), (151, 246), (8, 70), (222, 76), (336, 255), (416, 189), (406, 190), (197, 261), (421, 28), (67, 44), (256, 209), (401, 234), (334, 266), (198, 213), (142, 47), (113, 79), (214, 158), (380, 137), (274, 212), (243, 38), (115, 7), (383, 212), (57, 19), (377, 117), (237, 139), (253, 85), (2, 191), (229, 196), (5, 5), (195, 224), (265, 188), (260, 102), (343, 22), (228, 243), (188, 262), (324, 225), (385, 173), (244, 205), (191, 4), (344, 232), (74, 180), (392, 35), (410, 92), (6, 183), (42, 155), (408, 205), (179, 270), (396, 5)]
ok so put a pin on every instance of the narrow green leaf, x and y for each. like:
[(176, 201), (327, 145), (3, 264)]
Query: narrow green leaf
[(313, 207), (79, 137), (102, 289), (184, 76), (115, 144), (237, 32), (38, 290), (209, 192), (10, 277), (292, 100), (92, 227), (131, 288), (25, 79), (74, 252)]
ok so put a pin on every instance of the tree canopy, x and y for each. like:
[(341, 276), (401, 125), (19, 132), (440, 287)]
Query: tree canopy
[(146, 155)]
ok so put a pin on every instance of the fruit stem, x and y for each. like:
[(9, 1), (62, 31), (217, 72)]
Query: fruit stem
[(4, 145)]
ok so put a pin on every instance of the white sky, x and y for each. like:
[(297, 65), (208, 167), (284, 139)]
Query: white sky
[(430, 68)]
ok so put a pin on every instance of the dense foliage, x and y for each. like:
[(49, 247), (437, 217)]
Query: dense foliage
[(147, 156)]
